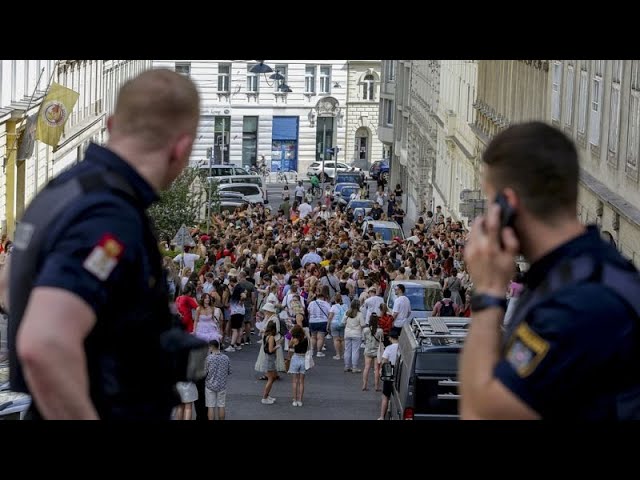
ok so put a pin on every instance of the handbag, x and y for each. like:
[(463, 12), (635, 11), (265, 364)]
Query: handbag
[(308, 359)]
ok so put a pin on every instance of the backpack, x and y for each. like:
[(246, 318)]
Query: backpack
[(338, 320), (447, 309)]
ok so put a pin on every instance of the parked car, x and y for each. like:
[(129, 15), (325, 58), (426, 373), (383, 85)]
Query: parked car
[(330, 169), (255, 179), (366, 205), (250, 191), (379, 168), (388, 230), (423, 295), (342, 192), (224, 170)]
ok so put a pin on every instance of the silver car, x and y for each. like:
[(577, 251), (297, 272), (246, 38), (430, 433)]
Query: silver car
[(423, 295)]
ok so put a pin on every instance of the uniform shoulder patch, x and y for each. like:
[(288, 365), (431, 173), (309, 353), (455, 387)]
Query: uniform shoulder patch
[(104, 257), (525, 350)]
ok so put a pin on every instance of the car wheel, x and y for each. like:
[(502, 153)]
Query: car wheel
[(385, 176)]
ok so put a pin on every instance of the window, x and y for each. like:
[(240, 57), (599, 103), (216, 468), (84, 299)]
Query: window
[(222, 126), (568, 104), (249, 141), (310, 79), (594, 116), (252, 80), (614, 111), (582, 102), (389, 113), (368, 88), (555, 91), (633, 135), (183, 68), (325, 78), (282, 70), (224, 71), (390, 70)]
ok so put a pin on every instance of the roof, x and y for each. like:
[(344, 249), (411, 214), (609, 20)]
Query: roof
[(418, 283), (383, 224)]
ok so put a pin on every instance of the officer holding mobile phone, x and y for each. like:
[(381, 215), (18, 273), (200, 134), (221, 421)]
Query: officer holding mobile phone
[(572, 347)]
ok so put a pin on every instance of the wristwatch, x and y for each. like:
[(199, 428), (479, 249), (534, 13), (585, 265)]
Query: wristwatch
[(483, 301)]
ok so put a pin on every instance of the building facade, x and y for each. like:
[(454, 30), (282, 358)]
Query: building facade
[(458, 152), (245, 116), (597, 103), (362, 146), (23, 85), (408, 129)]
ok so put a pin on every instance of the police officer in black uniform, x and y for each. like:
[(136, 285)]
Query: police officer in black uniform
[(572, 348), (89, 311)]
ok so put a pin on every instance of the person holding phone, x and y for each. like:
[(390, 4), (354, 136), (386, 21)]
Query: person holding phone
[(577, 318)]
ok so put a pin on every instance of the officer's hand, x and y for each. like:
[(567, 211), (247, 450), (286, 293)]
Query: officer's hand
[(491, 267)]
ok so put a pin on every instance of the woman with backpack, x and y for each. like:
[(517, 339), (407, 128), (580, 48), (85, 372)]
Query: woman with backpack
[(373, 338), (445, 307), (336, 325)]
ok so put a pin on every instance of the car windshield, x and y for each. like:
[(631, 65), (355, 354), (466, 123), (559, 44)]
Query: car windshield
[(422, 298), (388, 233), (347, 191), (348, 178)]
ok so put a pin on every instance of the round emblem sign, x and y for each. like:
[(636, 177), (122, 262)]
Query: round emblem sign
[(54, 113)]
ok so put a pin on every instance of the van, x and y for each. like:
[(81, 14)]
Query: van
[(425, 381), (223, 170)]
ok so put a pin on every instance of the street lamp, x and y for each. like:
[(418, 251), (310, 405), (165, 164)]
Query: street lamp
[(261, 68)]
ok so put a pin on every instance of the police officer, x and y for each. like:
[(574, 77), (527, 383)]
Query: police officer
[(87, 300), (572, 348)]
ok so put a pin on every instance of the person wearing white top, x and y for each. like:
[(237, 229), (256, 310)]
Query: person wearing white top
[(372, 305), (352, 337), (318, 321), (389, 355), (401, 307), (305, 209), (187, 259)]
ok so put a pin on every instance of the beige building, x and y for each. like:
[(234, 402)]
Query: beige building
[(23, 84), (408, 129), (362, 145), (597, 103), (458, 150)]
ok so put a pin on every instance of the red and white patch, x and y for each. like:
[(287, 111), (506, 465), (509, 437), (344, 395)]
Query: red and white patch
[(104, 257)]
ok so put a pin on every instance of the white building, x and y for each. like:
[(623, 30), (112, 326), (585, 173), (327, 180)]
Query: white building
[(245, 115), (458, 151), (362, 145), (23, 84), (597, 103)]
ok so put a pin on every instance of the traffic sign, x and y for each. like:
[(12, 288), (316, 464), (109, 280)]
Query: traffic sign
[(183, 237)]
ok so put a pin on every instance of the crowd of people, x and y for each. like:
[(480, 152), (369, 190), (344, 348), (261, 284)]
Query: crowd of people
[(305, 280)]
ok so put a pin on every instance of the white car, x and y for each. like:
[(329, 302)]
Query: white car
[(330, 168), (388, 230), (250, 191)]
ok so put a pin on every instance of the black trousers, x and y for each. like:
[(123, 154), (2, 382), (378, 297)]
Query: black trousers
[(200, 405)]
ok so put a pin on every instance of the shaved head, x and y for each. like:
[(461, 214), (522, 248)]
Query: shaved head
[(156, 107)]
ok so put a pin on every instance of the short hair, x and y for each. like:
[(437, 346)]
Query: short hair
[(156, 106), (214, 343), (401, 287), (540, 163)]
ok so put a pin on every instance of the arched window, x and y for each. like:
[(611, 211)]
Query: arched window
[(368, 87)]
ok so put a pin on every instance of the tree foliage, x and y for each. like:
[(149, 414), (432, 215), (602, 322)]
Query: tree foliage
[(183, 203)]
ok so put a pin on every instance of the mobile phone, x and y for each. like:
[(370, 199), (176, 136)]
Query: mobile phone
[(507, 213)]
